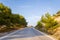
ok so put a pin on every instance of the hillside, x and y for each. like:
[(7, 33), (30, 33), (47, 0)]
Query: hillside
[(57, 33), (50, 24)]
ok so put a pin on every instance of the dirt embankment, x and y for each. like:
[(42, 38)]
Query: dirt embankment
[(57, 33)]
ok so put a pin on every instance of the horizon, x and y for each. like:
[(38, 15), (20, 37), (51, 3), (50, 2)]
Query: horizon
[(32, 10)]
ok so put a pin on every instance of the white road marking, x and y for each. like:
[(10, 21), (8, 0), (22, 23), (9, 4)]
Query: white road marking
[(27, 34)]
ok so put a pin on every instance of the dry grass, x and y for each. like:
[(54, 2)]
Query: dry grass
[(57, 33)]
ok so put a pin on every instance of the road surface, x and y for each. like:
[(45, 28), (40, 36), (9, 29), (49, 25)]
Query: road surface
[(26, 34)]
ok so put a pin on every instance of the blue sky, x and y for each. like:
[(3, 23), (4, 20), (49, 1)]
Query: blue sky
[(32, 10)]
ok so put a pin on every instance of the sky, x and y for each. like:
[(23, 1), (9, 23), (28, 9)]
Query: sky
[(32, 10)]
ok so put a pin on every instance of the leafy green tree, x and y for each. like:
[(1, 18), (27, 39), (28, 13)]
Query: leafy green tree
[(9, 19), (39, 25), (47, 23), (4, 9)]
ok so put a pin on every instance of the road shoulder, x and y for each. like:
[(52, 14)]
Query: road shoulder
[(45, 34)]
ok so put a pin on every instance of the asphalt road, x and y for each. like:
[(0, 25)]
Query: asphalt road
[(26, 34)]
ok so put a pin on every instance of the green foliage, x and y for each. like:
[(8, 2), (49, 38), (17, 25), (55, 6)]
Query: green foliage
[(4, 9), (57, 14), (9, 19), (39, 25), (47, 22)]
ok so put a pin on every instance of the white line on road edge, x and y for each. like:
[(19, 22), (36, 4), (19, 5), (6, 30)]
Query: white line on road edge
[(45, 34), (10, 34), (24, 28)]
